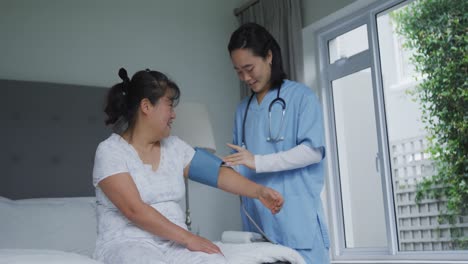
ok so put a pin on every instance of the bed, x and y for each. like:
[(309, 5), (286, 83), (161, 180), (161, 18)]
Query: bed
[(47, 208)]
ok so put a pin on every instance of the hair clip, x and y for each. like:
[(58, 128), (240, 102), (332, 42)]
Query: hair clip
[(147, 70)]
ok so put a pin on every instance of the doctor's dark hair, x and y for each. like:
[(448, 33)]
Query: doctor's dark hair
[(124, 98), (256, 38)]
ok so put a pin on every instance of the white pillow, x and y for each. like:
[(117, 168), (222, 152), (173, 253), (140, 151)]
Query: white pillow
[(67, 224), (4, 199)]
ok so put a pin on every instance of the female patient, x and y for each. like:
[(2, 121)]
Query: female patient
[(138, 175)]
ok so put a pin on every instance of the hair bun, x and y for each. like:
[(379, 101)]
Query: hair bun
[(123, 75)]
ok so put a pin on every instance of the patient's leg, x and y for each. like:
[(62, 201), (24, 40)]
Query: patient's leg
[(133, 251), (181, 255)]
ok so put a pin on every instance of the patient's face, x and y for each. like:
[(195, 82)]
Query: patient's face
[(162, 115)]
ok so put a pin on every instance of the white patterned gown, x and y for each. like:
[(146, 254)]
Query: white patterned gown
[(119, 241)]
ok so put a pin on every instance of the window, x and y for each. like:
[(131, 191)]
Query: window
[(348, 44), (353, 104), (377, 144), (397, 69)]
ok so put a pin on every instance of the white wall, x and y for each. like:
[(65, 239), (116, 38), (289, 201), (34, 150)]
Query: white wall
[(314, 10), (86, 42)]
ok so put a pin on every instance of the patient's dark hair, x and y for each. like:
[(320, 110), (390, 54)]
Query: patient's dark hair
[(123, 99), (256, 38)]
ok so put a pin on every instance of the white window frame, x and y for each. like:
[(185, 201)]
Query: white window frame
[(327, 72)]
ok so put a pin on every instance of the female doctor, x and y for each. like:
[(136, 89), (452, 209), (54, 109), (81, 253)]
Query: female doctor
[(278, 140)]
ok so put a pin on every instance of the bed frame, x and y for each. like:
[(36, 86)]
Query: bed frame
[(48, 138)]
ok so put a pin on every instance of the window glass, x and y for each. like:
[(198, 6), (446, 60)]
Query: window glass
[(348, 44), (361, 186)]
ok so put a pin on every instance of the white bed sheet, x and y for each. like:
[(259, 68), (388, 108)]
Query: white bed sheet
[(62, 230), (42, 256), (249, 253)]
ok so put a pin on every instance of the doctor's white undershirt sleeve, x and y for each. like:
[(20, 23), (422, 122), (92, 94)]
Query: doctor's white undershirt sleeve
[(297, 157)]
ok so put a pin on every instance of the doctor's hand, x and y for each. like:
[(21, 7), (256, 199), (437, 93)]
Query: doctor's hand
[(270, 198), (242, 157)]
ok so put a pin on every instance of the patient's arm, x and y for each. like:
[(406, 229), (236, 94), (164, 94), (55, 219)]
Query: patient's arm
[(231, 181), (123, 193)]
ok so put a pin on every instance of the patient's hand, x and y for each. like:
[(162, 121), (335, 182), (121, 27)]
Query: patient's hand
[(198, 243), (270, 198)]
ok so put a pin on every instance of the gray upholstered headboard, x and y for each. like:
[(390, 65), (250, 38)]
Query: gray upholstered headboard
[(49, 134)]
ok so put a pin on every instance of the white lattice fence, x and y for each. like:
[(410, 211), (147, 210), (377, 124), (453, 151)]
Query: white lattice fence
[(418, 226)]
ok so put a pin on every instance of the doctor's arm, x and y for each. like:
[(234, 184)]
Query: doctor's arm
[(297, 157), (123, 193)]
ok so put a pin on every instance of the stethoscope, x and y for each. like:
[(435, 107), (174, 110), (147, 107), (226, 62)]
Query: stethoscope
[(278, 100)]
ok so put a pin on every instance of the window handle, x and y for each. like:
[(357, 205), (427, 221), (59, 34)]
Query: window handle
[(342, 60)]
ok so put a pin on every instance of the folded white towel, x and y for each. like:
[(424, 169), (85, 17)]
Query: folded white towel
[(259, 252), (239, 237)]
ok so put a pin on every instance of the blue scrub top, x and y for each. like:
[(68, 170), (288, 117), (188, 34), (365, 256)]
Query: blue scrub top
[(302, 214)]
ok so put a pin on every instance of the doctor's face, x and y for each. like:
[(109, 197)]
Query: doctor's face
[(254, 70)]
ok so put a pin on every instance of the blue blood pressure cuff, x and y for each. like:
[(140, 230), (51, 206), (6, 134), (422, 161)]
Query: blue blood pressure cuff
[(204, 168)]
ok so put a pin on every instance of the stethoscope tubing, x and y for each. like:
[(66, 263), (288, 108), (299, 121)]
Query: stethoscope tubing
[(254, 223), (279, 100)]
